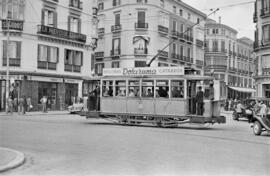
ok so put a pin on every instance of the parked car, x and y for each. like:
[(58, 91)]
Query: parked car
[(261, 124), (75, 108)]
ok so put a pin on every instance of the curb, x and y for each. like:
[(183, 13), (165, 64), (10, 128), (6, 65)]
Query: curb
[(18, 161)]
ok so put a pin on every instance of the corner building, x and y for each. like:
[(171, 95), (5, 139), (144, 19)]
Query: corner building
[(262, 47), (49, 49), (229, 59), (132, 32)]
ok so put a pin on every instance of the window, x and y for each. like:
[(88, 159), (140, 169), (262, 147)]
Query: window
[(74, 24), (116, 2), (117, 19), (12, 9), (99, 69), (148, 88), (14, 49), (223, 46), (266, 33), (73, 57), (141, 1), (177, 89), (162, 89), (223, 31), (198, 20), (120, 88), (133, 89), (116, 46), (181, 50), (49, 18), (48, 53), (265, 4), (266, 61), (181, 12), (189, 16), (215, 45), (141, 17), (140, 63), (207, 31), (115, 64), (49, 90), (107, 88), (174, 9), (174, 25), (101, 6), (174, 48)]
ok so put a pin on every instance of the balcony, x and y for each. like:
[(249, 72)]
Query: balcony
[(116, 28), (232, 69), (13, 62), (163, 54), (101, 32), (141, 26), (265, 12), (15, 25), (60, 33), (218, 67), (199, 43), (46, 65), (140, 51), (216, 50), (199, 62), (261, 44), (174, 34), (115, 52), (188, 38), (76, 5), (163, 30), (99, 54), (174, 56), (265, 71), (255, 18)]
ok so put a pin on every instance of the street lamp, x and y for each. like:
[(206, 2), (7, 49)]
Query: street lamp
[(7, 74)]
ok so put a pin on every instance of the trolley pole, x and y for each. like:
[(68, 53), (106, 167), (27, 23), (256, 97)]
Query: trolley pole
[(7, 74)]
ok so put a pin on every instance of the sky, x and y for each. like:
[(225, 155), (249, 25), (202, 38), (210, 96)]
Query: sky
[(238, 17)]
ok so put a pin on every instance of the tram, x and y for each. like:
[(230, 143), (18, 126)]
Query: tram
[(162, 96)]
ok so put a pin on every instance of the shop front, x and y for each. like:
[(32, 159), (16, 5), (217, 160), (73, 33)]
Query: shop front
[(240, 92)]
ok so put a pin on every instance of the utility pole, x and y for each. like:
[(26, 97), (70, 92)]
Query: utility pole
[(7, 75), (160, 51)]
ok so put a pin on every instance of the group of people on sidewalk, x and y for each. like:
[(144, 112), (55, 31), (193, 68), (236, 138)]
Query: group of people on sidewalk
[(20, 105)]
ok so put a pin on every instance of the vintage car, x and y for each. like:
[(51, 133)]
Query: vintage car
[(260, 124), (76, 108)]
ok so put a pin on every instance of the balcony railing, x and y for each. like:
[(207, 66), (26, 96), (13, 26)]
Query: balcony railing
[(141, 26), (115, 52), (163, 54), (99, 54), (13, 25), (261, 44), (68, 68), (116, 28), (199, 43), (140, 51), (101, 32), (216, 50), (188, 38), (13, 62), (76, 4), (174, 34), (199, 62), (266, 71), (174, 56), (223, 67), (76, 68), (265, 12), (60, 33), (163, 30), (255, 18), (52, 66), (47, 65)]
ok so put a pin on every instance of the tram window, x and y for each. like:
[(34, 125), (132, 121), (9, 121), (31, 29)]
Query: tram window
[(147, 88), (177, 88), (133, 89), (107, 88), (120, 87), (162, 89)]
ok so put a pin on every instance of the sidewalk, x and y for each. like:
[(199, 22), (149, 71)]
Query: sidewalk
[(10, 159), (37, 113)]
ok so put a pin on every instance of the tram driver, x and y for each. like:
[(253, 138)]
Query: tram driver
[(199, 101)]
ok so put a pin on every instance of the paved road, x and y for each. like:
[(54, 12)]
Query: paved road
[(71, 145)]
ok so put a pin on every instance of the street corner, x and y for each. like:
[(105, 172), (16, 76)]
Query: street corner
[(10, 159)]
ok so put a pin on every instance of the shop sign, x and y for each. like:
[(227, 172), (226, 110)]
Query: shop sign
[(144, 71), (13, 25), (72, 81), (47, 79)]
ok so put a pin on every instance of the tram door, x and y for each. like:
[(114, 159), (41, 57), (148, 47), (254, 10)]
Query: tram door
[(191, 95)]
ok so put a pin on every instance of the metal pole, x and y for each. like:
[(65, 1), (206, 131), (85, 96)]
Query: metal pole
[(7, 76)]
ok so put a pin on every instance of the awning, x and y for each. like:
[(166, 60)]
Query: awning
[(242, 89), (137, 38)]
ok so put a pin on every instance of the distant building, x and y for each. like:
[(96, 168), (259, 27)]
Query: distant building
[(262, 47), (50, 51), (132, 32), (229, 59)]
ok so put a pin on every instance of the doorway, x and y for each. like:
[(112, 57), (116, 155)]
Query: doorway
[(191, 96)]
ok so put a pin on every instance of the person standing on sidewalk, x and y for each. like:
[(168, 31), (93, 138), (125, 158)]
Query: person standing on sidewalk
[(20, 105), (43, 101), (24, 104), (10, 105)]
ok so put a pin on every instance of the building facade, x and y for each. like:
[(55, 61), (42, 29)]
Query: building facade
[(262, 47), (132, 32), (49, 49), (229, 59)]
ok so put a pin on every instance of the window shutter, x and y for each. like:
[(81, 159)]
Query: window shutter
[(55, 19), (96, 69), (38, 51), (69, 20), (57, 60), (18, 49), (48, 53), (65, 57), (4, 49), (79, 25), (43, 16), (81, 58)]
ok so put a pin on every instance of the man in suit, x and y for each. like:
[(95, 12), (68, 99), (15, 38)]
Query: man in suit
[(199, 100)]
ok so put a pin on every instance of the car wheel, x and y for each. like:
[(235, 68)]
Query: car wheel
[(257, 128)]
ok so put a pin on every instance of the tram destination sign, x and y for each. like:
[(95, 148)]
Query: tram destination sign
[(144, 71)]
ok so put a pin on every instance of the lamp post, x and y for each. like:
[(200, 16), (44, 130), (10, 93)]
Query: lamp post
[(7, 74)]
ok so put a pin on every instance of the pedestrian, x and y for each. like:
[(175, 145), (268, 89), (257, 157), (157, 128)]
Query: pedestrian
[(15, 104), (10, 105), (199, 101), (21, 105), (24, 104), (29, 104), (43, 101)]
